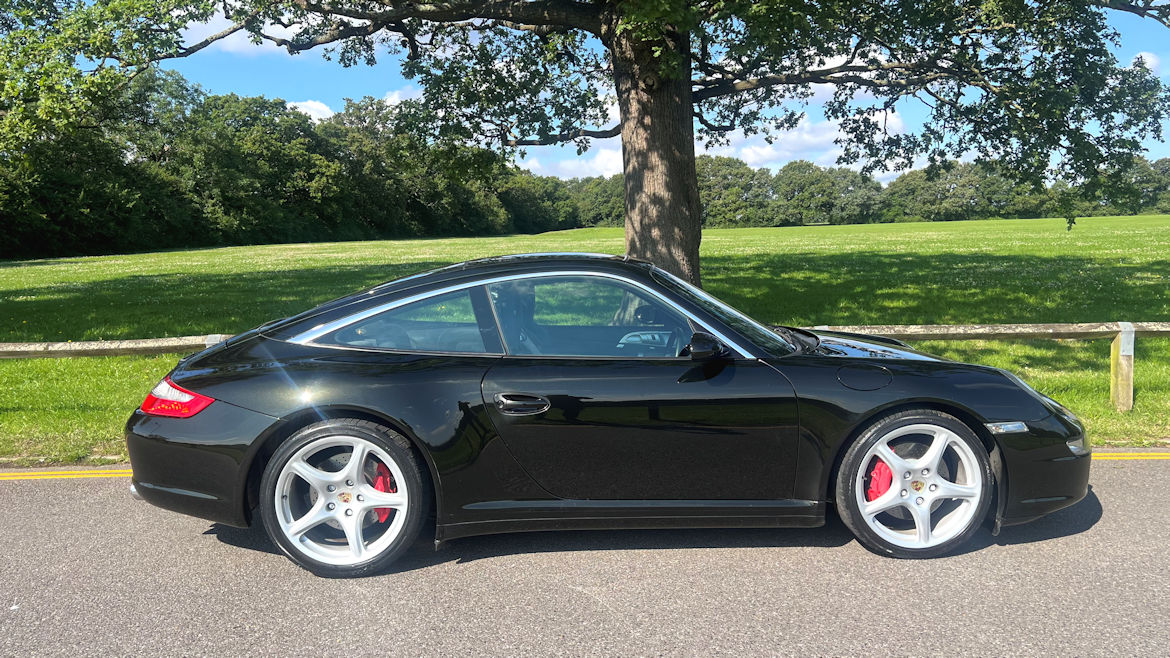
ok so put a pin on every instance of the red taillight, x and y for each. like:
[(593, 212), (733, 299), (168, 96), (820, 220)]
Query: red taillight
[(167, 399)]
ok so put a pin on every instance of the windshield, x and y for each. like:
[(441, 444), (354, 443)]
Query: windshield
[(759, 334)]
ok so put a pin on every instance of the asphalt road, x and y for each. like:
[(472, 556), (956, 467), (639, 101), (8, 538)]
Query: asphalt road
[(86, 570)]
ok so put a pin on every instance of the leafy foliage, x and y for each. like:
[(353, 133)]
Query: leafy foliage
[(172, 166), (1010, 82), (736, 195)]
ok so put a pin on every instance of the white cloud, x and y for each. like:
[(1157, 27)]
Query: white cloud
[(613, 113), (395, 96), (1152, 61), (604, 162), (239, 43), (315, 109), (829, 157), (825, 91), (809, 140)]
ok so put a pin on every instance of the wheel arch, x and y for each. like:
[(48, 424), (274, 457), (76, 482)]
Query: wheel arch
[(284, 428), (967, 416)]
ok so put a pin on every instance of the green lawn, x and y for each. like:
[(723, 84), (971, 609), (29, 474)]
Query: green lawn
[(965, 272)]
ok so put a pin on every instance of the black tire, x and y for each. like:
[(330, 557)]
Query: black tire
[(396, 446), (851, 470)]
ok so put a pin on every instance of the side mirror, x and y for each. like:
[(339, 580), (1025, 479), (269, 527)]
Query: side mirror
[(704, 347)]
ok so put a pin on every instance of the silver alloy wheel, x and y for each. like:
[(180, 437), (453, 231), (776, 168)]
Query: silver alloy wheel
[(313, 504), (939, 507)]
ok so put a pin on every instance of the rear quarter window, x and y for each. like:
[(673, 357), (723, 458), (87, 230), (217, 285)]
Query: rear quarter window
[(445, 323)]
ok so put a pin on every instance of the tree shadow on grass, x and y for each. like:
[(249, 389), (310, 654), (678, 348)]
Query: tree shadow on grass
[(151, 306), (803, 288), (875, 287), (1062, 356)]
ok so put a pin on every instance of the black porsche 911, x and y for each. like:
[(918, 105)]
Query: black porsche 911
[(567, 391)]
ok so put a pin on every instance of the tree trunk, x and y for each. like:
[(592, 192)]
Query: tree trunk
[(663, 212)]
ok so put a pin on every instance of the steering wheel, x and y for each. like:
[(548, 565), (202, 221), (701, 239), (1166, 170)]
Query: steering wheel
[(677, 342), (394, 337)]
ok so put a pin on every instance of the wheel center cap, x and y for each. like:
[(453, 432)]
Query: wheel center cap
[(345, 496), (917, 485)]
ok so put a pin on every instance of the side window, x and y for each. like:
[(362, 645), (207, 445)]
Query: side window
[(579, 302), (446, 323), (586, 316)]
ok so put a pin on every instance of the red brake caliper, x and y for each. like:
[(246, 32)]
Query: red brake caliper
[(879, 480), (384, 482)]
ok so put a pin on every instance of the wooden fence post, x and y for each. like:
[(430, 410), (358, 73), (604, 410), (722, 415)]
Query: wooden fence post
[(1121, 368)]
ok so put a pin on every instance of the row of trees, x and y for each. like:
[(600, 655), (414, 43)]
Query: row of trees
[(735, 194), (168, 165)]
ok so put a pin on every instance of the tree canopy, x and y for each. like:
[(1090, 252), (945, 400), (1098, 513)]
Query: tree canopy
[(171, 166), (1033, 87)]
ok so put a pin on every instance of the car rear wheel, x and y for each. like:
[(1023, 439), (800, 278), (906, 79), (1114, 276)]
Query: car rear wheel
[(916, 484), (343, 497)]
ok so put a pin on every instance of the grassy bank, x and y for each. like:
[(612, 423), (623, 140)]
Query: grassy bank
[(964, 272)]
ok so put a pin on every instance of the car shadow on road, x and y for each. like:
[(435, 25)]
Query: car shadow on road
[(1064, 523), (1070, 521), (470, 549), (250, 538), (423, 555)]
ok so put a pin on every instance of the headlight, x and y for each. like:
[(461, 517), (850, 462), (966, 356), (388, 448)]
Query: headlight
[(1079, 446)]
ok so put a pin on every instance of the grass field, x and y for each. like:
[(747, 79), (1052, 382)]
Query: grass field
[(1105, 269)]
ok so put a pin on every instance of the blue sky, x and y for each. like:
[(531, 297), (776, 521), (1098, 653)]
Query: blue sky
[(319, 87)]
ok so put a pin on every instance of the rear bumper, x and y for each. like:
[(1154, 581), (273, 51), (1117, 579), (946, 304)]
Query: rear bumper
[(196, 466)]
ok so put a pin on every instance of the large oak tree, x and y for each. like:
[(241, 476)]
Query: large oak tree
[(1032, 85)]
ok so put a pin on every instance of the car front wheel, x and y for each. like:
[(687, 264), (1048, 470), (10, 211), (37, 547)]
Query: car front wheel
[(343, 497), (916, 484)]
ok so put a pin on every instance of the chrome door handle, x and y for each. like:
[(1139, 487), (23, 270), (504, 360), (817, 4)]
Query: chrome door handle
[(521, 404)]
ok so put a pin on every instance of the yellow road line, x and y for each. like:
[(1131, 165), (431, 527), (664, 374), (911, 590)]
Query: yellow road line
[(116, 471), (1117, 456), (64, 475)]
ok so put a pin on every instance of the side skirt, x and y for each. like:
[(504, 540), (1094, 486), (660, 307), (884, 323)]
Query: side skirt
[(527, 516)]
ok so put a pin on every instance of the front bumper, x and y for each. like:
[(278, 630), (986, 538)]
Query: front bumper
[(199, 465), (1042, 474)]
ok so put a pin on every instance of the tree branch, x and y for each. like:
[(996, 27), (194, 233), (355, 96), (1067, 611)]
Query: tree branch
[(566, 136), (713, 127), (516, 14), (557, 13), (338, 32), (1152, 9), (845, 73), (222, 34)]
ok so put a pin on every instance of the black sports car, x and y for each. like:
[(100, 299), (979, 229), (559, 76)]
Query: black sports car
[(561, 391)]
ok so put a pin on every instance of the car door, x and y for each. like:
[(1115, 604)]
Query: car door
[(595, 403)]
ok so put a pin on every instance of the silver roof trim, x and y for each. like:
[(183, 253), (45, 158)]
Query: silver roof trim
[(308, 336)]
